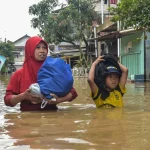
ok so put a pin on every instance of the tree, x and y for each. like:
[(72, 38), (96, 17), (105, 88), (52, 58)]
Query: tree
[(6, 50), (132, 13), (70, 24)]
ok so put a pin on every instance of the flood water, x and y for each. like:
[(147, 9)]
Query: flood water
[(79, 125)]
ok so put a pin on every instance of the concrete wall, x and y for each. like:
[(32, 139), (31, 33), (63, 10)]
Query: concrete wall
[(132, 53), (147, 57)]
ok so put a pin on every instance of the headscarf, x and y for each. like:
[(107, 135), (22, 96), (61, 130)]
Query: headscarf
[(31, 65)]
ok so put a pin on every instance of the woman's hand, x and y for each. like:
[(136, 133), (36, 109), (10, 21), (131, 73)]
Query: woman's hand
[(57, 100), (34, 99), (54, 100)]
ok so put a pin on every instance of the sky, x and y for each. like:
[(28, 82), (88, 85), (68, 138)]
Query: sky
[(15, 20)]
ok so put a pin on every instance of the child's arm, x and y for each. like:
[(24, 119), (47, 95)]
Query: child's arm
[(123, 78), (91, 82)]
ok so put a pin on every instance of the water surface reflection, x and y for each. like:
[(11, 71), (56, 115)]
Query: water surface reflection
[(79, 125)]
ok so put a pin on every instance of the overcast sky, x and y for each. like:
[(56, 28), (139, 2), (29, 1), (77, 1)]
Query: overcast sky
[(15, 20)]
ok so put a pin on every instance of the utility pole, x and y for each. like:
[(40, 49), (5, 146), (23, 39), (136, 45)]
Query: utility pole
[(102, 11), (95, 35)]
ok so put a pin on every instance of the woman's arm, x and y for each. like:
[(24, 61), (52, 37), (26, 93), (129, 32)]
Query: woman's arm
[(11, 99), (69, 97), (12, 96), (74, 94)]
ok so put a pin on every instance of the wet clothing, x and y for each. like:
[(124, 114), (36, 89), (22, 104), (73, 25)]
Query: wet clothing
[(24, 77), (113, 100)]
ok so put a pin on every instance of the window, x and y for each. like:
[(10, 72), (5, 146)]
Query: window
[(113, 1)]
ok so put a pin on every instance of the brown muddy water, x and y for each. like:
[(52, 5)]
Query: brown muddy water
[(79, 125)]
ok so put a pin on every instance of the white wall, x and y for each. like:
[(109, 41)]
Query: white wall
[(105, 6), (21, 42)]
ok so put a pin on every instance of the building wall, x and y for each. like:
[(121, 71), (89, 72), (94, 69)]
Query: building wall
[(19, 52), (105, 6), (132, 53), (147, 57), (21, 42)]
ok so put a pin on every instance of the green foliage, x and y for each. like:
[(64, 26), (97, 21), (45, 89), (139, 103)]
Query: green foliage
[(132, 13), (6, 50), (81, 62), (70, 24)]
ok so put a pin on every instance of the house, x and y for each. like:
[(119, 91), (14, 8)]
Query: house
[(135, 54), (101, 43), (19, 51), (67, 51), (129, 45)]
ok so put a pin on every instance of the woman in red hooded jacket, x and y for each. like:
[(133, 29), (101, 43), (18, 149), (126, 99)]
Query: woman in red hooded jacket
[(17, 91)]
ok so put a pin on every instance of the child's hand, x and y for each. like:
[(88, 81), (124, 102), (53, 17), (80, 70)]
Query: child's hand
[(99, 59)]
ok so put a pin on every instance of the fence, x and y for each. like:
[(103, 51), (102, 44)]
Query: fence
[(80, 72)]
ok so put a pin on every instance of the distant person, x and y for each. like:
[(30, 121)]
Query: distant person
[(107, 79), (36, 50)]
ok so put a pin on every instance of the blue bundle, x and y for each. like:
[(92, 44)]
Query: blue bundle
[(55, 76)]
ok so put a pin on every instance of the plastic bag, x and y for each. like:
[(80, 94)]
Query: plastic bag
[(55, 76)]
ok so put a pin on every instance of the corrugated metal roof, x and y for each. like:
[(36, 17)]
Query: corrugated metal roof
[(114, 35)]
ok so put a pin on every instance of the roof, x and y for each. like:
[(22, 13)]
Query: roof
[(111, 27), (22, 38), (114, 35)]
